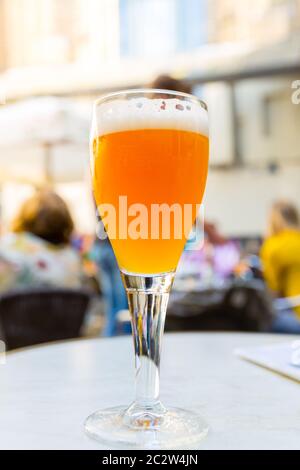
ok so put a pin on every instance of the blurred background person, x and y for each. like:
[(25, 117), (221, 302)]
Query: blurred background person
[(166, 82), (224, 252), (38, 251), (113, 291), (280, 256)]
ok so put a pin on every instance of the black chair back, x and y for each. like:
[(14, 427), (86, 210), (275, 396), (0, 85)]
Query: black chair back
[(42, 315), (242, 308)]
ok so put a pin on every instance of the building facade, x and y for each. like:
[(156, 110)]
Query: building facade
[(261, 21), (39, 32), (42, 32)]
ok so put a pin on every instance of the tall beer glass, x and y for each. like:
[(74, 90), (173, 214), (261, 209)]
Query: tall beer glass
[(149, 159)]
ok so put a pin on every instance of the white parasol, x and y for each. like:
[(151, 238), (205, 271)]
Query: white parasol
[(43, 140)]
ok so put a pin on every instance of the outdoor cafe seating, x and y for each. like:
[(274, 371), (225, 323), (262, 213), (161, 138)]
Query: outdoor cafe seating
[(42, 315)]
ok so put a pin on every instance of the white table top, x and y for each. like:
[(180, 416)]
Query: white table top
[(46, 392)]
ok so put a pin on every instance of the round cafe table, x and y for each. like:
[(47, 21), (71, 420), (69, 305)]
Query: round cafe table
[(46, 392)]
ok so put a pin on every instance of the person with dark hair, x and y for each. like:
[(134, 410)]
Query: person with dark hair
[(280, 256), (38, 250), (166, 82)]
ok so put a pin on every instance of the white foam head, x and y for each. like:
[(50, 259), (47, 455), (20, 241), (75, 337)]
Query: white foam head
[(145, 113)]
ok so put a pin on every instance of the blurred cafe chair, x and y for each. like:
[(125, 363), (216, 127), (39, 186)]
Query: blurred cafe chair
[(41, 315), (243, 307), (247, 307)]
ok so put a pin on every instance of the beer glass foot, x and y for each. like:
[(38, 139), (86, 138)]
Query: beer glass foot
[(176, 429)]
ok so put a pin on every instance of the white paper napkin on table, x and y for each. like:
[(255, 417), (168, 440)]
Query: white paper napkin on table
[(276, 357)]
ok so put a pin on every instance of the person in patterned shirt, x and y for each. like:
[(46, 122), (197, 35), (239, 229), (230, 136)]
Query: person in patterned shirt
[(38, 251)]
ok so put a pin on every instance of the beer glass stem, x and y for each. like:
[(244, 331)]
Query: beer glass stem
[(148, 298)]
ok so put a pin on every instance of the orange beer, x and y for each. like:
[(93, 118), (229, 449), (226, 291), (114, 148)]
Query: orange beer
[(151, 164)]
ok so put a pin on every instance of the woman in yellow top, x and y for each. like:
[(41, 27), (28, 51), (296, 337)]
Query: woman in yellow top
[(280, 255)]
